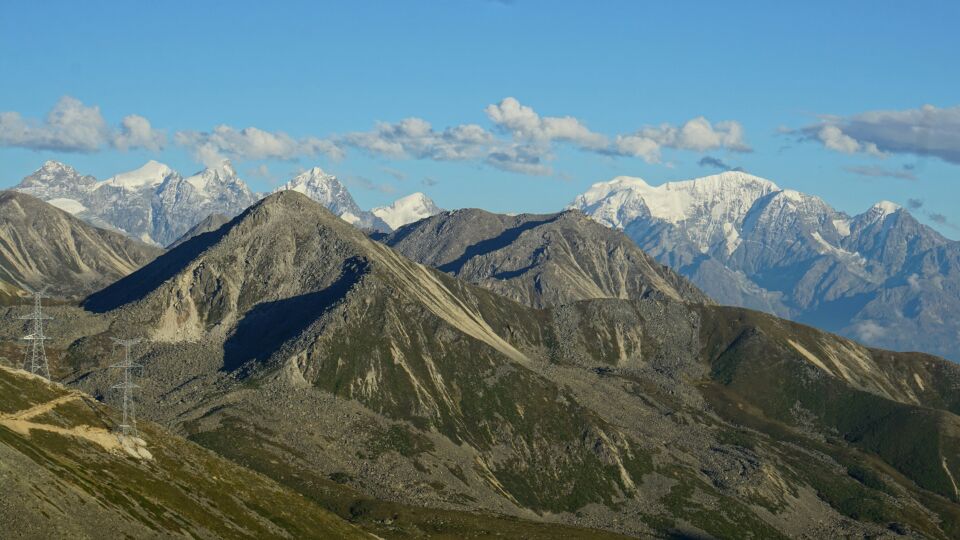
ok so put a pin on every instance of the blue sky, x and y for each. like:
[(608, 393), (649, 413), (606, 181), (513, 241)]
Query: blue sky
[(826, 98)]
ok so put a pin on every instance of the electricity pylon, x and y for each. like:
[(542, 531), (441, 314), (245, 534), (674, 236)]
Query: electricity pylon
[(37, 363), (128, 427)]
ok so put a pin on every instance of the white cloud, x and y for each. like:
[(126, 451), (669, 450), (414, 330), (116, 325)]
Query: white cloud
[(225, 142), (835, 139), (71, 126), (529, 148), (519, 158), (525, 124), (395, 173), (880, 172), (925, 131), (637, 146), (523, 141), (697, 135), (136, 132), (261, 171), (415, 137)]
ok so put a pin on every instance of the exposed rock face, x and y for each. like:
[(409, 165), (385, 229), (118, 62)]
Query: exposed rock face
[(180, 202), (880, 277), (41, 245), (539, 260), (288, 337)]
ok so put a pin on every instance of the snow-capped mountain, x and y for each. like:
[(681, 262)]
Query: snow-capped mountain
[(404, 210), (327, 190), (180, 203), (745, 241), (55, 180), (156, 204), (153, 203), (150, 175)]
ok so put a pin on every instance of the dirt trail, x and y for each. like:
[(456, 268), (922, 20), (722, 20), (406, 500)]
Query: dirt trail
[(19, 422), (37, 410)]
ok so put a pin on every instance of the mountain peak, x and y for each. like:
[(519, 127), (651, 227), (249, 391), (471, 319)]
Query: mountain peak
[(327, 190), (724, 181), (150, 174), (408, 209), (46, 237), (883, 208), (317, 171), (316, 184), (54, 179), (224, 173), (52, 165), (624, 198), (226, 167), (314, 176)]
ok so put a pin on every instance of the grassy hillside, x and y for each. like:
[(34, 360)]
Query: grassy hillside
[(65, 473)]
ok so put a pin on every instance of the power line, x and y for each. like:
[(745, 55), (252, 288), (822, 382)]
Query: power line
[(37, 363), (128, 427)]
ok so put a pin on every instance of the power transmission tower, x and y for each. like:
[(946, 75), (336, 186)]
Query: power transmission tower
[(37, 363), (128, 427)]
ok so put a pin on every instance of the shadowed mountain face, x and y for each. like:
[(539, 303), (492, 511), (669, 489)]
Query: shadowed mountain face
[(43, 245), (880, 277), (295, 345), (539, 260), (209, 224)]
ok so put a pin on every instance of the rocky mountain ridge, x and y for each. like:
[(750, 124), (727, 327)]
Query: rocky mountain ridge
[(539, 260)]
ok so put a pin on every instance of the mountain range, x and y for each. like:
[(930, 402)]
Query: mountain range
[(154, 203), (468, 374), (880, 277), (157, 205), (613, 395)]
